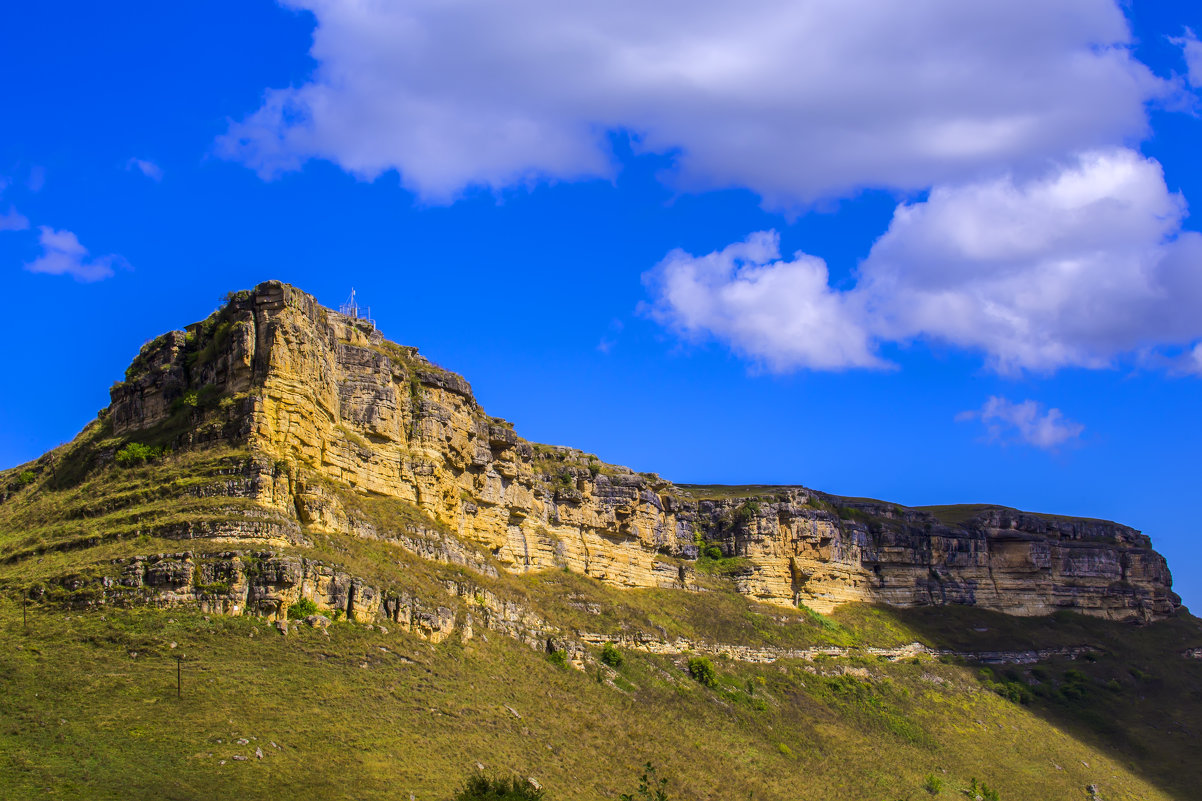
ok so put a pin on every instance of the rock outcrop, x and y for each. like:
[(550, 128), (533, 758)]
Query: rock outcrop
[(323, 401)]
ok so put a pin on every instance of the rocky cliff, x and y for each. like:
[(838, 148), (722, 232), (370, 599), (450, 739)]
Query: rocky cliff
[(335, 416)]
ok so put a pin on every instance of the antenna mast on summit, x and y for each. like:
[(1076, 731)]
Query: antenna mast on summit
[(351, 309)]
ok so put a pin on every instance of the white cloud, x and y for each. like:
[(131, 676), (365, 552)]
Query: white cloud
[(1073, 267), (1025, 422), (1190, 362), (795, 101), (62, 254), (1191, 48), (13, 220), (783, 313), (1068, 269), (148, 168)]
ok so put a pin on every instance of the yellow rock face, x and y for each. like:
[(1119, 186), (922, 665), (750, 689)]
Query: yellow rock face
[(324, 397)]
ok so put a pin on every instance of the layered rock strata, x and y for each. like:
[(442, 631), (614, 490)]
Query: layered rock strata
[(324, 400)]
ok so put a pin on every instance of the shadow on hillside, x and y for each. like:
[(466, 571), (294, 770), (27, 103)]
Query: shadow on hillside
[(1135, 695)]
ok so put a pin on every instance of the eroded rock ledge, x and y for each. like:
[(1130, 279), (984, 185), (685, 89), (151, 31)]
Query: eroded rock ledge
[(266, 584)]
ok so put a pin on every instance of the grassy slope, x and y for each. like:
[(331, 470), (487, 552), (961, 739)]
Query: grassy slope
[(81, 716), (85, 717)]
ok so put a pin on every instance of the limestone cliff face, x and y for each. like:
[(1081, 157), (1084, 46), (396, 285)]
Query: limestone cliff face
[(321, 398)]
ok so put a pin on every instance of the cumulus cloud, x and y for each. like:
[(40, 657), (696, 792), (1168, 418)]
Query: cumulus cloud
[(1025, 422), (148, 168), (62, 254), (795, 101), (1191, 48), (781, 312), (1072, 267)]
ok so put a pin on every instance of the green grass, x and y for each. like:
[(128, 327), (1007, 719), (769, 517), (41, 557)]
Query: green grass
[(716, 492), (961, 513), (89, 710)]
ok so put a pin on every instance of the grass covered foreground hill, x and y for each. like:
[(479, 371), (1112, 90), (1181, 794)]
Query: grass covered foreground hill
[(89, 708), (294, 558)]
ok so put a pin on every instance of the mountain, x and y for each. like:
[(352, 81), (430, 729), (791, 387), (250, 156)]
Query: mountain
[(280, 460)]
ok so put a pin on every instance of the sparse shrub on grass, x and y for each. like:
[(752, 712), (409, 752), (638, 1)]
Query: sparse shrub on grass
[(712, 552), (784, 750), (136, 453), (302, 609), (1009, 688), (933, 784), (651, 787), (25, 478), (981, 790), (702, 670), (483, 788), (611, 656), (558, 658), (1074, 687)]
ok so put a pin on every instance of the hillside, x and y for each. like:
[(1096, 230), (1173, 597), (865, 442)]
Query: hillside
[(461, 584)]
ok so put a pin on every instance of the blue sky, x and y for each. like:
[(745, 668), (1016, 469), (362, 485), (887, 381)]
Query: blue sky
[(938, 255)]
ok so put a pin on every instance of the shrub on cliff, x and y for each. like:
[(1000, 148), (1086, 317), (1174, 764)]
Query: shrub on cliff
[(702, 670), (135, 453), (302, 609), (611, 656)]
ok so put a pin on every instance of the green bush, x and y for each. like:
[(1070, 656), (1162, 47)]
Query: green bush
[(933, 784), (651, 787), (746, 512), (483, 788), (983, 790), (712, 552), (1009, 688), (611, 656), (702, 670), (558, 658), (25, 478), (302, 609), (135, 453)]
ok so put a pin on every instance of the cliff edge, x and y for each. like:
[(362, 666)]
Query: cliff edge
[(303, 418)]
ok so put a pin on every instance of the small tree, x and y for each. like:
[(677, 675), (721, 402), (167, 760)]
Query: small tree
[(302, 609), (611, 656), (702, 670)]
